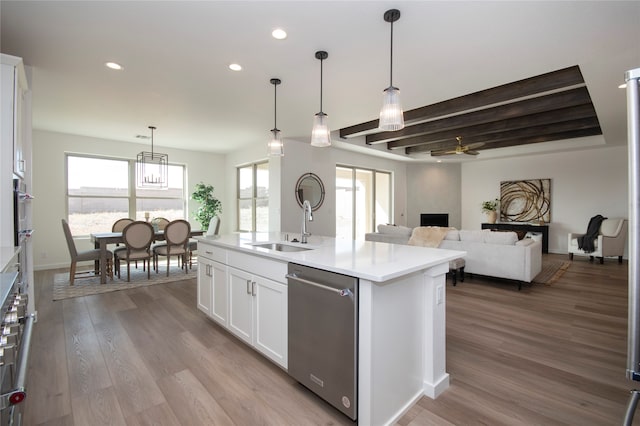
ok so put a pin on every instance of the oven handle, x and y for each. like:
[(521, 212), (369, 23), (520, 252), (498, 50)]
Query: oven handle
[(342, 292), (19, 393)]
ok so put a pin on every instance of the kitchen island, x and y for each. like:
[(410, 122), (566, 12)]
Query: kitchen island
[(401, 308)]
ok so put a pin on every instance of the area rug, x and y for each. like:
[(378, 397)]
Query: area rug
[(90, 286), (552, 270)]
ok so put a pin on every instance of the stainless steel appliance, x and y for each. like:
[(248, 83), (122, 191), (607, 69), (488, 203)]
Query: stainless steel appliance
[(323, 335), (15, 340), (632, 79)]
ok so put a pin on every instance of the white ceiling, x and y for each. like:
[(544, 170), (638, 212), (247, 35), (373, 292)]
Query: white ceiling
[(175, 57)]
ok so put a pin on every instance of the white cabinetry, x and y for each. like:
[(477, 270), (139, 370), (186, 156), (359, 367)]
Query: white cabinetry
[(14, 112), (258, 313), (212, 284), (242, 293)]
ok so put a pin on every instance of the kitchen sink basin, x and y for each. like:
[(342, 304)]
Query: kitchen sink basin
[(281, 247)]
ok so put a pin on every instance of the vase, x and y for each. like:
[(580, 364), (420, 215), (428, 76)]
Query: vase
[(492, 216)]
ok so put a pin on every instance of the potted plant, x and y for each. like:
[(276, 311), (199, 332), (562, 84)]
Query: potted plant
[(210, 206), (491, 210)]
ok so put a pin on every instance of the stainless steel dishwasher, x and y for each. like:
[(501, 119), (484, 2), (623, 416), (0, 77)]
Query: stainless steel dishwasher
[(323, 335)]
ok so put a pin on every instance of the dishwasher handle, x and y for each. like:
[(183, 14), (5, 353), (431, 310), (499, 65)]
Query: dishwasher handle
[(342, 292)]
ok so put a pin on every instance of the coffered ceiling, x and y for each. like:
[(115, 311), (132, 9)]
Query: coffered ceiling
[(451, 59)]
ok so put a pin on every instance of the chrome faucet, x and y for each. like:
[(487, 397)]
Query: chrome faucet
[(306, 213)]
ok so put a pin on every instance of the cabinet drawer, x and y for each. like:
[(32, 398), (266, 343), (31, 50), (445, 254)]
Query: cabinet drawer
[(273, 269), (212, 252)]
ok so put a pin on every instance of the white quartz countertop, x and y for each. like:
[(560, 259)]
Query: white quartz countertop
[(363, 259)]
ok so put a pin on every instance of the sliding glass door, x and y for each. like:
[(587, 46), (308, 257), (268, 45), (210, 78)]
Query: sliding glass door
[(363, 200)]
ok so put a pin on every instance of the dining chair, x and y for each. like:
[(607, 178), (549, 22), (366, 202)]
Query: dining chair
[(137, 237), (176, 235), (87, 255), (161, 222), (120, 224), (213, 229)]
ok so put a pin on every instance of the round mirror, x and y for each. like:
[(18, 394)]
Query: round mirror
[(310, 187)]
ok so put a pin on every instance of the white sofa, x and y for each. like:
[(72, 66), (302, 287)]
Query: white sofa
[(494, 254)]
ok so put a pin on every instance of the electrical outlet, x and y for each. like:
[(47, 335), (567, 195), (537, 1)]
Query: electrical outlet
[(439, 295)]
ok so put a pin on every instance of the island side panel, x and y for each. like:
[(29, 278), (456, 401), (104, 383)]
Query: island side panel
[(436, 378), (397, 338)]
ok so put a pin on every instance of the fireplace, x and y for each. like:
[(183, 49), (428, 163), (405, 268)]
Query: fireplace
[(434, 219)]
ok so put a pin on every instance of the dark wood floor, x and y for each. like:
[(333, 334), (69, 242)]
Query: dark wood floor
[(546, 355)]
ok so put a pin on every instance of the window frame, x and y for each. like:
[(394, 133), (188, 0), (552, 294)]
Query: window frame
[(374, 191), (254, 194), (131, 195)]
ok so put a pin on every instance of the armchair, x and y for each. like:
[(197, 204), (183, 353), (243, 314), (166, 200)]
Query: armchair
[(611, 241)]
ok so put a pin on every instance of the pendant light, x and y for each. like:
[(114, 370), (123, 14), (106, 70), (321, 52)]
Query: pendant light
[(320, 134), (275, 146), (152, 168), (391, 115)]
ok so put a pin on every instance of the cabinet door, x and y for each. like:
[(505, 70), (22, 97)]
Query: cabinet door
[(270, 300), (219, 306), (205, 283), (240, 304)]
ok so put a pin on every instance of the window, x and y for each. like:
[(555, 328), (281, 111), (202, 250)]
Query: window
[(253, 197), (363, 201), (102, 190)]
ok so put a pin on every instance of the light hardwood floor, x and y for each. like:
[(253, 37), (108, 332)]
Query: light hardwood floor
[(546, 355)]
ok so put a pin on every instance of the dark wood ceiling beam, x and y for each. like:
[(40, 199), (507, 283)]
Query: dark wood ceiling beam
[(554, 80), (467, 132), (569, 98), (491, 139)]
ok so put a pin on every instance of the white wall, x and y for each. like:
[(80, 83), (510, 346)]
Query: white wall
[(583, 184), (433, 188), (300, 158), (49, 186)]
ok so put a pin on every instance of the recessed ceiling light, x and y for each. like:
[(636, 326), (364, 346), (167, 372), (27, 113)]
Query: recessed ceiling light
[(113, 66), (279, 34), (622, 86), (235, 67)]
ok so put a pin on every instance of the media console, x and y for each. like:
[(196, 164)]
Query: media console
[(541, 229)]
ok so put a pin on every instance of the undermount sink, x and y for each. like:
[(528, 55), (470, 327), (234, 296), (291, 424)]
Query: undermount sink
[(281, 247)]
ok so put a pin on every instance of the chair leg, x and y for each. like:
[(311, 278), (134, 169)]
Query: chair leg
[(462, 274), (168, 258), (72, 273), (619, 259), (570, 256), (110, 268), (148, 268), (128, 271), (602, 260), (184, 263)]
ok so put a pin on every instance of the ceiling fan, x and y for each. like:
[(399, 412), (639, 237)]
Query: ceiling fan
[(459, 149)]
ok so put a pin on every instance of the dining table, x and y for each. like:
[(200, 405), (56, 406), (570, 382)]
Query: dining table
[(102, 239)]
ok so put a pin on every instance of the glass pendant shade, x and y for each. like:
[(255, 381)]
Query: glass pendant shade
[(152, 168), (320, 134), (391, 115), (275, 146)]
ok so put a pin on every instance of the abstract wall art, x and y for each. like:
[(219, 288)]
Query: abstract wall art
[(525, 201)]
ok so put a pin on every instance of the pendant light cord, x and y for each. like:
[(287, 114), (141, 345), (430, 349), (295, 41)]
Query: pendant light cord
[(391, 59), (275, 105), (152, 128), (321, 84)]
